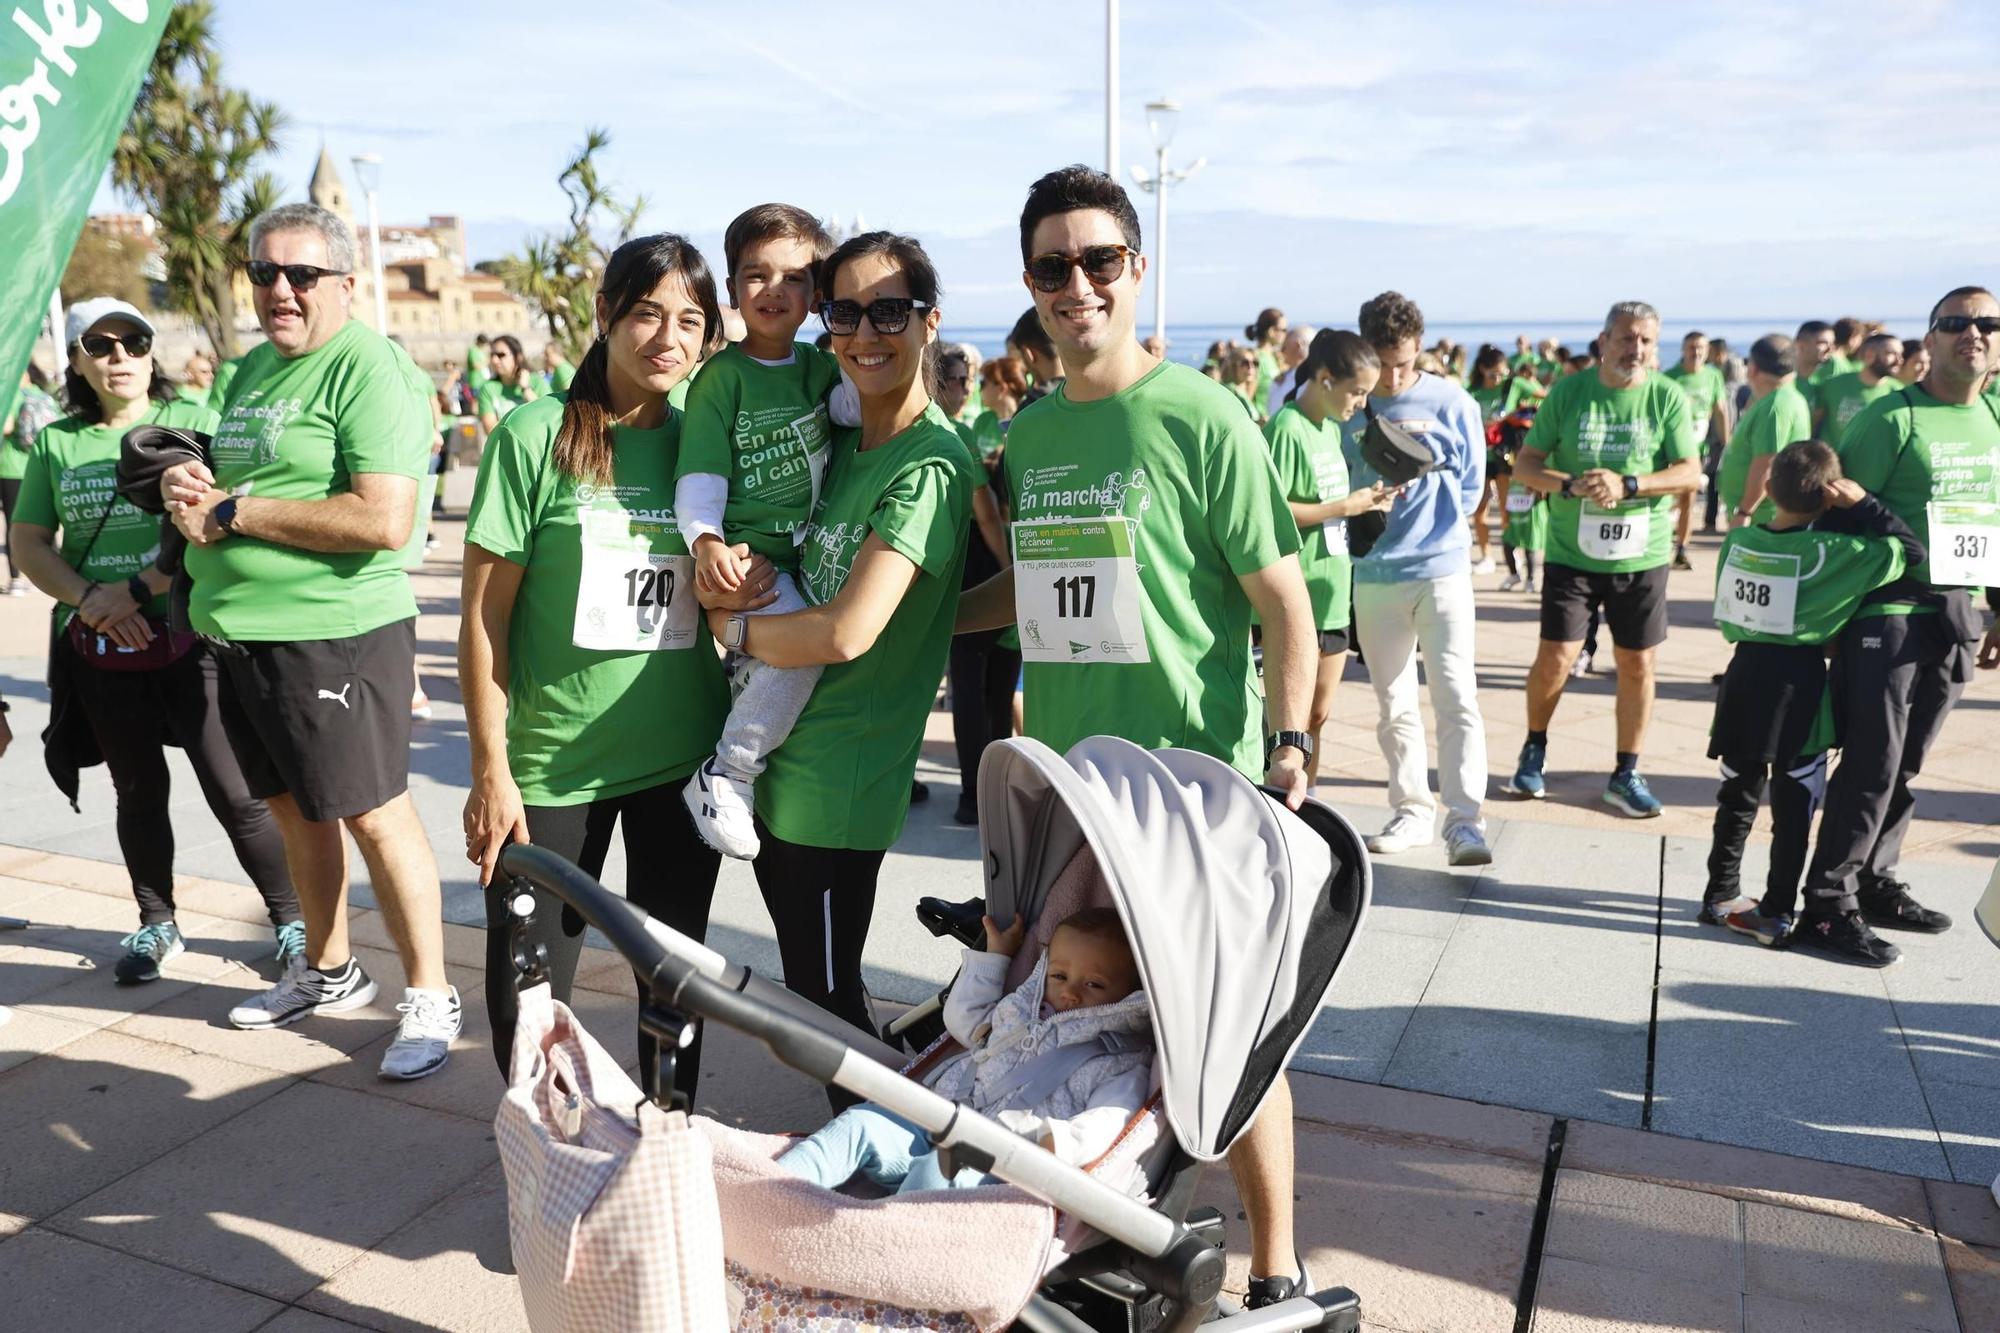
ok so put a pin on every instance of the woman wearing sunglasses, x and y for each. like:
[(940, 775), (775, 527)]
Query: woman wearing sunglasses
[(881, 564), (137, 685)]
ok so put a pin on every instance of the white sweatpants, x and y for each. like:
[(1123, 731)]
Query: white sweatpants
[(1390, 621), (768, 699)]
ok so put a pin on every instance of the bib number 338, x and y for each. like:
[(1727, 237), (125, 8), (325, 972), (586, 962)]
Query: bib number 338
[(1076, 591), (1758, 591)]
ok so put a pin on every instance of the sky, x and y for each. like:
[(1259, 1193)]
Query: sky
[(1507, 159)]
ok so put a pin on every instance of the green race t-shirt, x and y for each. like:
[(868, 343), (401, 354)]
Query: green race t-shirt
[(1267, 372), (1842, 398), (985, 435), (302, 429), (766, 429), (1174, 453), (501, 399), (585, 723), (1909, 449), (476, 372), (1313, 470), (1779, 418), (1821, 577), (1585, 424), (225, 376), (842, 778), (1499, 401), (72, 474), (1831, 368), (1704, 388), (560, 375)]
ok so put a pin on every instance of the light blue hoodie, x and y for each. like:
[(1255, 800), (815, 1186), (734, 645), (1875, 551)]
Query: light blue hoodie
[(1427, 536)]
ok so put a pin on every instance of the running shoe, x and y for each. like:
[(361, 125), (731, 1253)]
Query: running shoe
[(1527, 779), (17, 587), (420, 708), (1846, 937), (1401, 834), (1628, 793), (303, 992), (291, 943), (967, 811), (1528, 587), (146, 948), (1466, 846), (1681, 560), (1888, 905), (1581, 667), (431, 1020), (1277, 1290), (1511, 582), (1773, 932), (722, 812), (1484, 565), (1716, 912)]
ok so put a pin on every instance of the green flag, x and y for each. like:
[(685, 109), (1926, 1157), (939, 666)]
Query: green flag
[(69, 72)]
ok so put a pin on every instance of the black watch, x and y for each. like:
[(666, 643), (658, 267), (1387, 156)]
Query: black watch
[(1631, 488), (1569, 488), (137, 589), (225, 515), (1298, 740)]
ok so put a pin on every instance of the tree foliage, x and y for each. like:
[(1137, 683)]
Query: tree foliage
[(105, 265), (557, 274), (188, 156)]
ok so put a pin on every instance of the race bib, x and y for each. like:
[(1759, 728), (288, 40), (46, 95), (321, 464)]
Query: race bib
[(1335, 532), (630, 596), (1612, 534), (1520, 500), (1759, 591), (1965, 544), (1076, 590)]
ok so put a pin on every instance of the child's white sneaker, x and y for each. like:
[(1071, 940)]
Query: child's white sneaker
[(722, 812)]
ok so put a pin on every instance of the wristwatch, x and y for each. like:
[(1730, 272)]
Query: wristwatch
[(225, 515), (1298, 740), (138, 590), (733, 631), (1569, 488), (1631, 488)]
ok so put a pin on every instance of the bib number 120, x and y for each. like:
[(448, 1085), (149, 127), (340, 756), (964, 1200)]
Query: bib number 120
[(649, 587), (1076, 596)]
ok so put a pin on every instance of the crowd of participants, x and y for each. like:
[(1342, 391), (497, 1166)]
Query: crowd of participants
[(760, 554)]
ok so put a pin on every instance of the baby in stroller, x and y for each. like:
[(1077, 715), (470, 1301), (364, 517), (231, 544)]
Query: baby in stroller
[(1065, 1060)]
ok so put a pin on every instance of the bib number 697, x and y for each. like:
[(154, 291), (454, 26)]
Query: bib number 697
[(649, 587), (1613, 532), (1076, 596)]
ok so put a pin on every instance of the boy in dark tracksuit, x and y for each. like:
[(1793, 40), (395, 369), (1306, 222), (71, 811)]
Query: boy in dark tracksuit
[(1783, 589)]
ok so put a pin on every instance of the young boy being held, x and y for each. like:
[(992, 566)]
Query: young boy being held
[(754, 443), (1784, 589)]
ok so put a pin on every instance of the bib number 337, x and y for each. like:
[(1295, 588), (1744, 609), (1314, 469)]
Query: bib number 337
[(1965, 544), (1076, 591)]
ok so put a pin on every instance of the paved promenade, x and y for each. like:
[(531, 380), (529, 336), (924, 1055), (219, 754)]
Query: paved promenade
[(1540, 1088)]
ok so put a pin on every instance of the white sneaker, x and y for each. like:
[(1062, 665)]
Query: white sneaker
[(1511, 582), (431, 1019), (301, 993), (1581, 667), (722, 812), (1400, 834), (1485, 566), (1467, 846), (1528, 587)]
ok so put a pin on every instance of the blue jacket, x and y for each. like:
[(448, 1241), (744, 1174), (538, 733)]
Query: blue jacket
[(1427, 536)]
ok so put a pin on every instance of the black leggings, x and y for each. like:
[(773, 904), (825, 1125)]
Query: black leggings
[(821, 900), (10, 491), (132, 714), (982, 699), (669, 872)]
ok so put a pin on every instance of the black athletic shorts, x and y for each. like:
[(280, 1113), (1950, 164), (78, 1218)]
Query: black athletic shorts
[(325, 720), (1635, 605), (1332, 641)]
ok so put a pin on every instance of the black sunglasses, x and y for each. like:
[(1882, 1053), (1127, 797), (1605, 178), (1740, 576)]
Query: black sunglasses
[(1102, 264), (302, 277), (888, 314), (1986, 324), (97, 346)]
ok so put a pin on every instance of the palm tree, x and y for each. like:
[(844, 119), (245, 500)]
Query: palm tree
[(558, 274)]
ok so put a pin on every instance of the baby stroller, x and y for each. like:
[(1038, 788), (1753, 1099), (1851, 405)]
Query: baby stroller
[(1239, 913)]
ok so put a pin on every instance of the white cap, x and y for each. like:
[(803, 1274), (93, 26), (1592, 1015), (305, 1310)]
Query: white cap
[(86, 315)]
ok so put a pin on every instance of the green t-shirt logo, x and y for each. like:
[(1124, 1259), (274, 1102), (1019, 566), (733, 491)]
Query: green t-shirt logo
[(1605, 439), (829, 552), (1963, 468), (1058, 492), (251, 432)]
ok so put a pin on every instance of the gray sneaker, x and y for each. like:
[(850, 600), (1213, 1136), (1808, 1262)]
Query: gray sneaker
[(1465, 845)]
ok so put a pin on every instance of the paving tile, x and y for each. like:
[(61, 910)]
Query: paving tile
[(469, 1085), (1974, 1271), (26, 1034), (54, 1282), (1897, 1276), (107, 1104), (287, 1193), (449, 1269), (1421, 1117), (296, 1320), (1773, 1314), (1432, 1238), (1368, 1007), (1965, 1212), (10, 1223), (1648, 1228), (464, 946), (1573, 1297), (1969, 1126)]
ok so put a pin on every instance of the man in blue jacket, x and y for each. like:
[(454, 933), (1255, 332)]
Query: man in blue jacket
[(1414, 588)]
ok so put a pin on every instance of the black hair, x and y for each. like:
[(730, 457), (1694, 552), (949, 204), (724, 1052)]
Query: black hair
[(1880, 337), (1267, 319), (1774, 354), (1800, 475), (769, 222), (1339, 353), (1812, 328), (1029, 335), (1073, 189), (583, 442), (513, 345), (907, 254), (1490, 357), (1954, 294)]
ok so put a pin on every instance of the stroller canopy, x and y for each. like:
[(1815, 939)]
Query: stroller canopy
[(1238, 910)]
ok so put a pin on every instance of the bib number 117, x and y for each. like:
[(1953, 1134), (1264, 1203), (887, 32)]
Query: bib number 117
[(649, 587), (1076, 596)]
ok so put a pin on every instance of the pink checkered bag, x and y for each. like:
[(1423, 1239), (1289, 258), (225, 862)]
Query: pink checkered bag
[(611, 1205)]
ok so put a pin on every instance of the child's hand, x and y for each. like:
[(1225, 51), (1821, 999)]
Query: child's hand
[(1845, 494), (1004, 942), (716, 568)]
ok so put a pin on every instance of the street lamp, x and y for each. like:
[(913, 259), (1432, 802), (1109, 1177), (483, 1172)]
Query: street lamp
[(368, 174), (1111, 88), (1162, 118)]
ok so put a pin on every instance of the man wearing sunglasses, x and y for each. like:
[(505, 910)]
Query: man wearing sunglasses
[(1931, 453), (296, 532), (1148, 522)]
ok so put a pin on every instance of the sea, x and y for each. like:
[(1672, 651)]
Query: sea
[(1190, 342)]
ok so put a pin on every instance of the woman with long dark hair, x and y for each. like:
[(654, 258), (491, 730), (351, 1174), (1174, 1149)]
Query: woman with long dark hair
[(512, 384), (106, 580), (592, 690)]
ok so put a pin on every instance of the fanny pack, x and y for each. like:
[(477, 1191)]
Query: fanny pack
[(1397, 456), (168, 647)]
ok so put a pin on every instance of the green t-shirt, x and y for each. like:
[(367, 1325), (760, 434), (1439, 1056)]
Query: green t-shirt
[(1842, 397), (1267, 372), (1174, 453), (984, 435), (1584, 424), (1908, 449), (1834, 572), (766, 429), (1527, 529), (1523, 360), (1779, 418), (842, 778), (72, 474), (1831, 368), (225, 375), (1704, 388), (302, 429), (1313, 470), (560, 375), (476, 372), (586, 723), (1499, 401), (501, 399)]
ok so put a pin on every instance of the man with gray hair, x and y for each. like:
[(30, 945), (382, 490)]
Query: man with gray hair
[(1611, 449), (296, 528), (1291, 352)]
